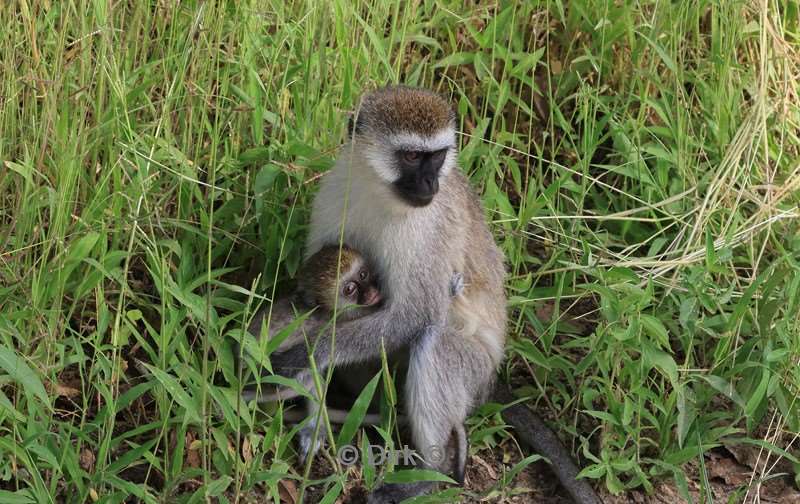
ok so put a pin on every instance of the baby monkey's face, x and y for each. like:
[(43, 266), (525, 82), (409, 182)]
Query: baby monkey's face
[(359, 286), (335, 279)]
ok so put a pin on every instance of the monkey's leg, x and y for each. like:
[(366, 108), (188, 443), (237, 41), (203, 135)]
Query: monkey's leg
[(439, 396), (309, 438), (311, 435), (308, 443), (280, 394)]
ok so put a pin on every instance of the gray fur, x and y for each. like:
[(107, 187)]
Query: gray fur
[(416, 251)]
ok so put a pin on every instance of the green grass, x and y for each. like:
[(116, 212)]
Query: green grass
[(639, 161)]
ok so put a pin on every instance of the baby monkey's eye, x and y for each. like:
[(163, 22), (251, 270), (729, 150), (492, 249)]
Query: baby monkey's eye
[(349, 289), (363, 275), (411, 156)]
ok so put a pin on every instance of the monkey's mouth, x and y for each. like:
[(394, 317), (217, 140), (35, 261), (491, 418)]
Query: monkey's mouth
[(414, 198), (372, 298)]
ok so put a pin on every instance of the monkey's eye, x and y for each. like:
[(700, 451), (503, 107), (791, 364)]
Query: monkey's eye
[(363, 275), (349, 289), (438, 157), (411, 157)]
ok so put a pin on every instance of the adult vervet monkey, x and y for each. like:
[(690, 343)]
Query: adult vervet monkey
[(396, 195)]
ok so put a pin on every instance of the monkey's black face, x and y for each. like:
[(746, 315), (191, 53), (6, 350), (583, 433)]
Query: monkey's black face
[(419, 175), (361, 289)]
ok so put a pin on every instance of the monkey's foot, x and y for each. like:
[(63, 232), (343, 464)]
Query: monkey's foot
[(308, 443), (395, 493)]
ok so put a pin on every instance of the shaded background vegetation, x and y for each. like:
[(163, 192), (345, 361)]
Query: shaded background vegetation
[(638, 162)]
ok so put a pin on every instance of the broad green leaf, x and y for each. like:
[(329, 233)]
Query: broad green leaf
[(19, 371), (758, 394), (25, 171), (18, 497), (176, 392), (527, 62), (8, 409), (661, 360), (456, 59), (216, 487), (522, 464), (725, 388), (130, 457), (332, 494), (627, 411), (78, 251), (255, 155), (594, 471), (357, 412), (687, 413), (780, 452), (656, 329), (412, 475)]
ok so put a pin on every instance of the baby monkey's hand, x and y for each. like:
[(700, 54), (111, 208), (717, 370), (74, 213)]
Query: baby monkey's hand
[(456, 284)]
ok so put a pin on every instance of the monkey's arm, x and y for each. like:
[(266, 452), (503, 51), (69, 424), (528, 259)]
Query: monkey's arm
[(279, 315), (276, 317), (401, 321), (532, 430)]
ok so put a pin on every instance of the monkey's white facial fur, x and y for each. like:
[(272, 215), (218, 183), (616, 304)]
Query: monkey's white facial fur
[(413, 164), (407, 136)]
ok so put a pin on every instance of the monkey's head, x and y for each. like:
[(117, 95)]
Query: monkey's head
[(356, 284), (408, 137)]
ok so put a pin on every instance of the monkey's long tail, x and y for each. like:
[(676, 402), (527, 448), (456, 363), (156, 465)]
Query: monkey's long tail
[(532, 430)]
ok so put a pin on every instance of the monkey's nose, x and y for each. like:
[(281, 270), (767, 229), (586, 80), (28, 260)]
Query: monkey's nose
[(429, 183), (372, 297)]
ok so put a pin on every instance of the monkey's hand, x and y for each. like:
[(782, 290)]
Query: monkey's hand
[(456, 284), (291, 362)]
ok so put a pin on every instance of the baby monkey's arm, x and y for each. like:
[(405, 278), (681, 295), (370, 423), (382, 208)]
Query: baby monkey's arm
[(456, 288)]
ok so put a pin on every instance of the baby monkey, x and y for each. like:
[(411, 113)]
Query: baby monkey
[(352, 285), (331, 279)]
